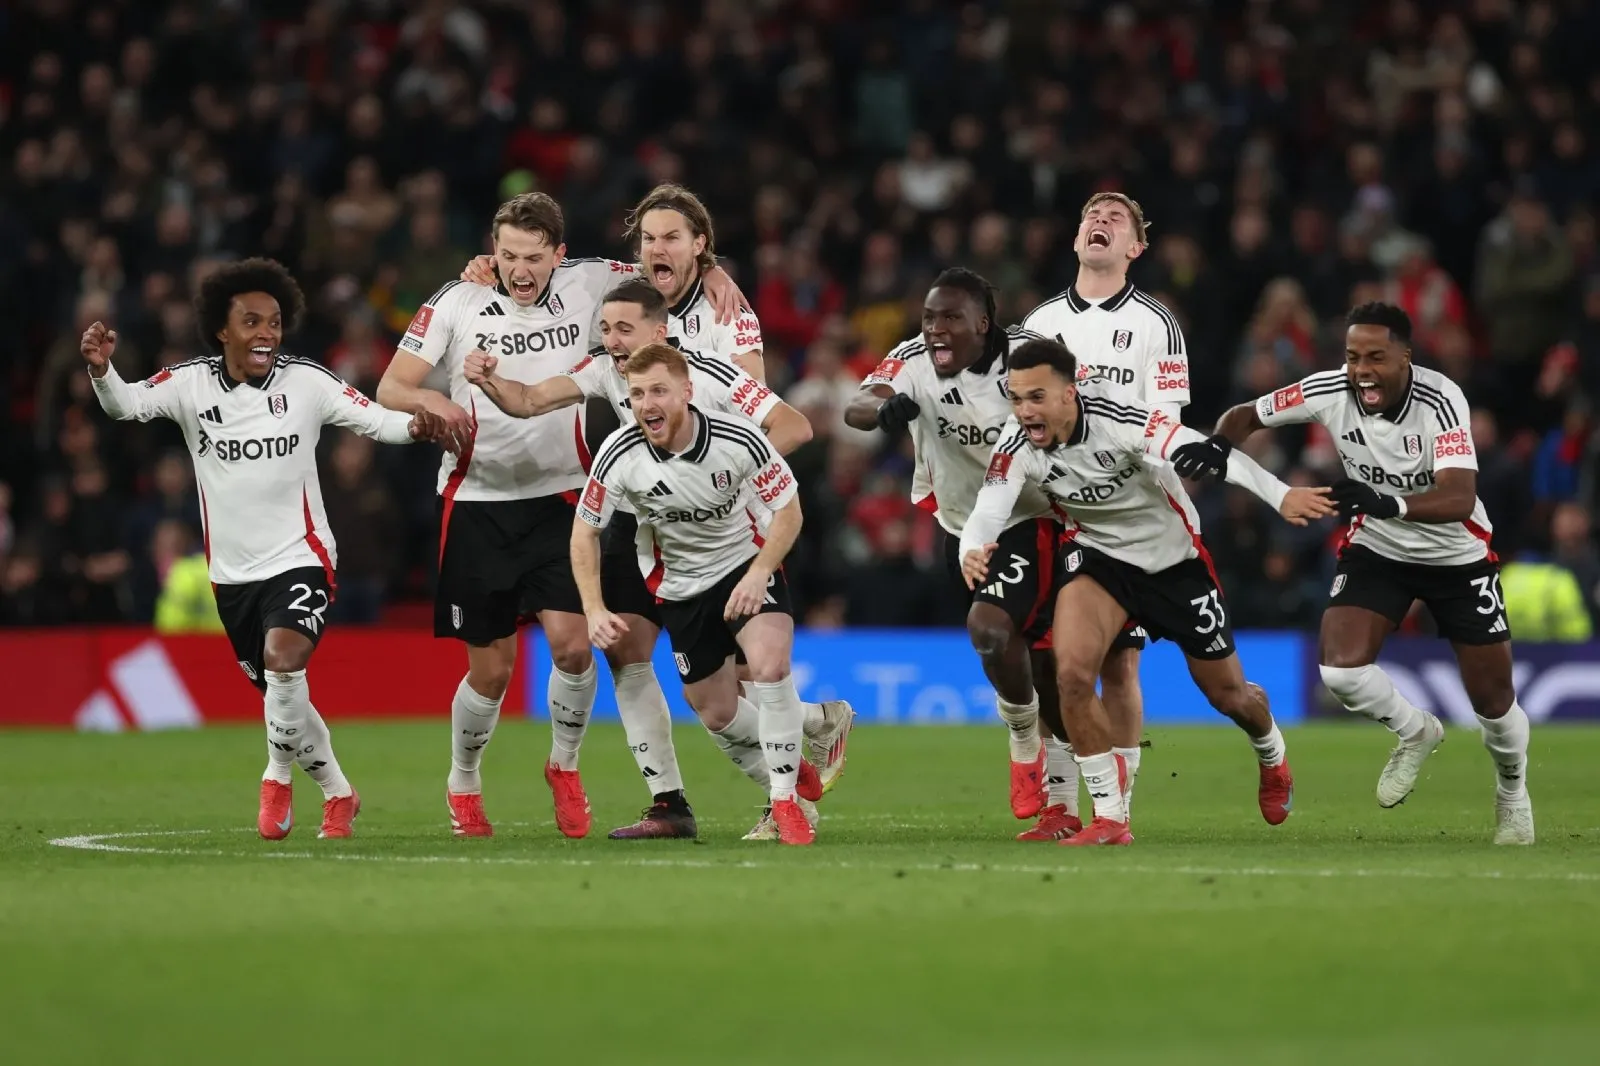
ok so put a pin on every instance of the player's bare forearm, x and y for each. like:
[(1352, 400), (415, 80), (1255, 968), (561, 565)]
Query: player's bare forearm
[(786, 429), (400, 388), (752, 363), (1452, 499), (586, 565), (780, 537), (1238, 423), (512, 397), (862, 412)]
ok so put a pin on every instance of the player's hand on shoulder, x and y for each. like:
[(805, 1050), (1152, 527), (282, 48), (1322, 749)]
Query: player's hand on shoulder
[(898, 412), (480, 366), (1203, 458), (479, 270), (723, 292), (1357, 498), (975, 565), (98, 344), (605, 629), (1303, 506)]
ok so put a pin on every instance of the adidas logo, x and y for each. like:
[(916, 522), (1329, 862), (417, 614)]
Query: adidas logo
[(997, 590), (213, 415), (660, 490), (1499, 625), (784, 769), (493, 308), (953, 397), (649, 772), (1218, 644), (1355, 437)]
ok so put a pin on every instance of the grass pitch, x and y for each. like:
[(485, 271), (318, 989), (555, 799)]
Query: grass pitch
[(915, 930)]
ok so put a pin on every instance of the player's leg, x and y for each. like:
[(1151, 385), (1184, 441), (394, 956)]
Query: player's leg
[(647, 723), (474, 715), (827, 728), (1087, 619), (285, 655), (768, 643), (1223, 683), (1059, 819), (1007, 612), (570, 696), (1370, 598), (239, 606), (1467, 604), (1124, 700)]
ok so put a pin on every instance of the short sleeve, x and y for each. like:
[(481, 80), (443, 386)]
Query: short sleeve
[(894, 371), (748, 398), (590, 375), (600, 276), (1453, 447), (1165, 381), (433, 327), (770, 477), (1304, 401)]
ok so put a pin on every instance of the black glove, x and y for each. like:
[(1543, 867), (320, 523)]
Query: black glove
[(1357, 497), (898, 412), (1203, 458)]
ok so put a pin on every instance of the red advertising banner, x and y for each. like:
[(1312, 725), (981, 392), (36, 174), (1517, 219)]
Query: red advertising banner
[(128, 678)]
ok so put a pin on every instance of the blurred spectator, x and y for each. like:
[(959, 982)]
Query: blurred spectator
[(1544, 603), (187, 603), (1572, 546), (362, 515)]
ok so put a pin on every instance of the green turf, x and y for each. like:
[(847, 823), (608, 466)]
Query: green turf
[(915, 930)]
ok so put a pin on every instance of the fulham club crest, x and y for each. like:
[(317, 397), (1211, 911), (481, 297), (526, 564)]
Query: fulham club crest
[(1106, 459), (1413, 445), (1121, 339), (278, 404), (721, 480), (555, 305), (1074, 561), (1338, 585), (691, 325), (455, 615)]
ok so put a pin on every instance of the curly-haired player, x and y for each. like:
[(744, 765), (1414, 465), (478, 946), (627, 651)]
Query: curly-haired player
[(251, 415)]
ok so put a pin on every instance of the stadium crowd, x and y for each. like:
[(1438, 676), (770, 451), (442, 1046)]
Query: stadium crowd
[(1294, 159)]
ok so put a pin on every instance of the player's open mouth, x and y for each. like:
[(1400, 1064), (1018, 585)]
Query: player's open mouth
[(1037, 432), (662, 273), (1371, 395), (261, 355), (1098, 238), (654, 423), (523, 289), (942, 355)]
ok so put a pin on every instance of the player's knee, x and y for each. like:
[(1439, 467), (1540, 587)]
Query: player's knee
[(1119, 672), (1232, 699), (768, 670), (572, 658), (1491, 698), (989, 636), (1347, 683), (285, 661), (1074, 684), (490, 679)]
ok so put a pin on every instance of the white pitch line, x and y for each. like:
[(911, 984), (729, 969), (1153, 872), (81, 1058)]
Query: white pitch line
[(97, 842)]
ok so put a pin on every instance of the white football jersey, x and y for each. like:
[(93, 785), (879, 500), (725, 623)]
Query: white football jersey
[(697, 518), (255, 455), (718, 386), (1128, 340), (515, 458), (1398, 452), (692, 323), (1101, 484), (957, 429)]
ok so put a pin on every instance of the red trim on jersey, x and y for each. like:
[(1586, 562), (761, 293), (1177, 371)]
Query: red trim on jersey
[(314, 542), (452, 484), (755, 530), (1483, 535), (652, 580), (1349, 534), (584, 458), (1045, 539), (1199, 545), (205, 527), (928, 503)]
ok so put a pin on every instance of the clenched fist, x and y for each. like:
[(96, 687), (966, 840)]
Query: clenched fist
[(97, 346), (480, 367)]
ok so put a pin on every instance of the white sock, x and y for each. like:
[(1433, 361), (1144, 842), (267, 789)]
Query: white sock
[(814, 721), (285, 707), (571, 699), (1061, 772), (472, 721), (782, 730), (1367, 690), (1130, 759), (315, 756), (1022, 719), (1270, 748), (648, 724), (1103, 774), (1507, 740), (740, 741)]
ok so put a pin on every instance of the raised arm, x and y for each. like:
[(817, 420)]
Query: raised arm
[(515, 398), (156, 397)]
